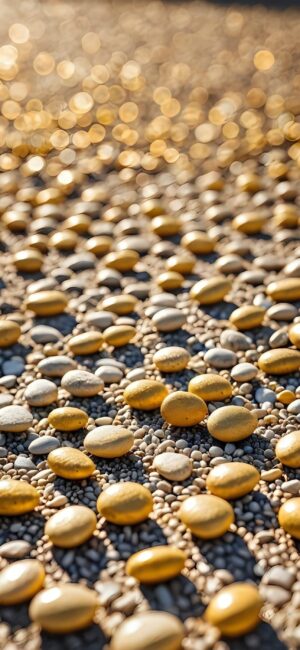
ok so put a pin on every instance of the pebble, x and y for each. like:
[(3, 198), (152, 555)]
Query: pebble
[(145, 394), (210, 291), (171, 359), (279, 576), (294, 335), (43, 445), (20, 581), (56, 366), (287, 289), (100, 319), (289, 517), (63, 608), (17, 497), (15, 550), (282, 311), (125, 504), (232, 480), (235, 609), (86, 343), (169, 319), (220, 358), (244, 372), (280, 361), (210, 387), (109, 441), (247, 317), (288, 449), (183, 409), (13, 367), (109, 374), (231, 423), (81, 383), (71, 526), (70, 463), (119, 335), (149, 630), (45, 334), (41, 392), (10, 333), (234, 340), (67, 418), (172, 466), (15, 419), (207, 516), (47, 303), (157, 564)]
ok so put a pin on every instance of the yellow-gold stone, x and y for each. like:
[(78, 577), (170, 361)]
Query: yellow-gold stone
[(86, 343), (64, 608), (118, 335), (156, 564), (280, 361), (47, 303), (289, 517), (109, 441), (70, 463), (235, 609), (183, 409), (171, 359), (150, 630), (10, 333), (68, 418), (232, 480), (231, 423), (287, 289), (247, 317), (211, 290), (210, 387), (17, 497), (207, 516), (145, 394), (125, 503), (294, 335), (20, 581), (288, 449)]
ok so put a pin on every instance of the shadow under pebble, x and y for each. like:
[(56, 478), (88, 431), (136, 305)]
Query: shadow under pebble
[(231, 553), (92, 638), (264, 637), (178, 596)]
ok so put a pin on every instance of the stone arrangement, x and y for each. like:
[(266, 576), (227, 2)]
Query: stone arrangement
[(149, 326)]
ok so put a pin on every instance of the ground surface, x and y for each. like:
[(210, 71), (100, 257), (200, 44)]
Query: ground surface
[(168, 92)]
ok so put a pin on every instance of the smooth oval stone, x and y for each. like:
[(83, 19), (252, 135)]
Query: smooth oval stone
[(282, 311), (244, 372), (43, 445), (163, 300), (198, 242), (230, 263), (109, 441), (183, 263), (207, 516), (15, 549), (249, 223), (15, 419), (124, 260), (149, 631), (47, 303), (231, 423), (169, 319), (99, 245), (17, 497), (170, 280), (232, 480), (288, 449), (10, 333), (183, 409), (145, 394), (56, 366), (45, 334), (86, 343), (20, 581), (210, 387), (71, 526), (210, 290), (100, 319), (292, 269), (28, 261), (109, 374), (121, 304), (294, 335), (81, 383), (63, 608), (280, 361), (125, 503), (171, 359), (67, 418), (172, 466), (156, 564), (70, 463), (41, 392), (247, 317), (287, 289), (234, 340), (118, 335), (220, 358), (289, 517), (235, 609)]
